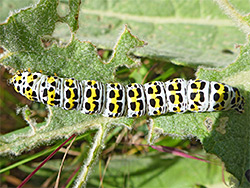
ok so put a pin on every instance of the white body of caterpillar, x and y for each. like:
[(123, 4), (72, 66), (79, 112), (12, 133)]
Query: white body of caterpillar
[(133, 100)]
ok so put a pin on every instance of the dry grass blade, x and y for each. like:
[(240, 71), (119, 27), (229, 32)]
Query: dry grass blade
[(61, 166)]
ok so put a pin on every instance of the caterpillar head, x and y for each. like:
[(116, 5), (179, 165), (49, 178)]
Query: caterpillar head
[(17, 81), (25, 83)]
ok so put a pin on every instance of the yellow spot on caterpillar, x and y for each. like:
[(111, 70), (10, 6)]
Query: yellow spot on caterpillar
[(71, 99), (236, 96), (134, 99), (114, 100), (177, 99), (28, 94), (177, 109), (219, 108), (30, 78), (17, 78), (197, 97), (51, 97), (158, 112), (221, 93), (153, 96), (50, 79), (196, 108), (70, 81), (91, 99), (92, 82), (173, 92), (175, 85)]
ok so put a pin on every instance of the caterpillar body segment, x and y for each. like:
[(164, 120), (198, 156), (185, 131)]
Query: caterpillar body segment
[(176, 92), (198, 95), (133, 100), (136, 100), (155, 98), (71, 94), (93, 97), (115, 100), (51, 90)]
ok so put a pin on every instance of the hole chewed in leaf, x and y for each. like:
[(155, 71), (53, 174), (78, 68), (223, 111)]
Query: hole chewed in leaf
[(62, 33), (222, 126), (62, 8), (208, 122)]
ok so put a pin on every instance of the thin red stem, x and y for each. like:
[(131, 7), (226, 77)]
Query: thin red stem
[(48, 158), (71, 176)]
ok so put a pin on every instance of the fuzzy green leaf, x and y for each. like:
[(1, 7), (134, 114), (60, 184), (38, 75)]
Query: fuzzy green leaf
[(187, 33)]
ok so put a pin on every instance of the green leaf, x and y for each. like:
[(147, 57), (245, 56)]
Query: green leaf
[(188, 33), (22, 33), (156, 171)]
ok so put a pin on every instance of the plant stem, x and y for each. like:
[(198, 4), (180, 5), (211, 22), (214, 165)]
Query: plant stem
[(92, 155)]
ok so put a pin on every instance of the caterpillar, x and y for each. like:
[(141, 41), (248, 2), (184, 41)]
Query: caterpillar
[(133, 100)]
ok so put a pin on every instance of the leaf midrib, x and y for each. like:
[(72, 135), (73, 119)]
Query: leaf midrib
[(159, 20)]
